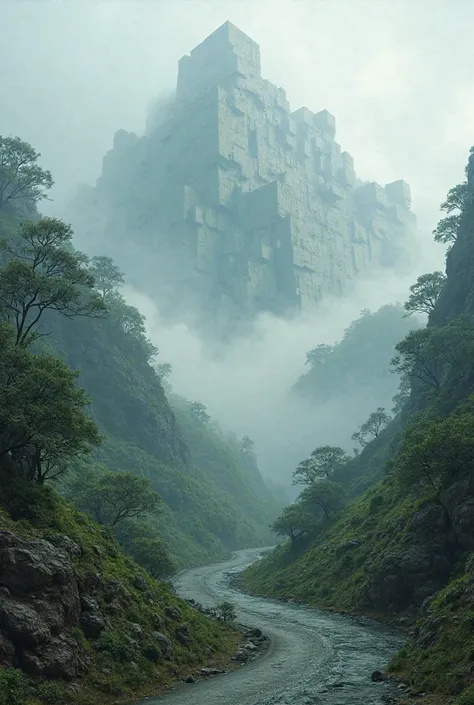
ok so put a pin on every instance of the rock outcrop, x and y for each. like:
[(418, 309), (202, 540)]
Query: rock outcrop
[(40, 605), (233, 203)]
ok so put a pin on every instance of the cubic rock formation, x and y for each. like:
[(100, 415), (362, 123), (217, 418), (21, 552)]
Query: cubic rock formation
[(234, 204)]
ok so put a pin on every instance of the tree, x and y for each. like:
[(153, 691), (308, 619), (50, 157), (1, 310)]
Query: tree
[(323, 462), (425, 293), (226, 611), (43, 273), (326, 496), (294, 522), (246, 445), (435, 452), (447, 229), (401, 397), (116, 496), (107, 277), (426, 353), (20, 176), (319, 355), (153, 555), (164, 371), (456, 200), (369, 430), (43, 425), (199, 412)]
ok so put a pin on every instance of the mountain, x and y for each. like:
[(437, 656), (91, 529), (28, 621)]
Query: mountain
[(403, 550)]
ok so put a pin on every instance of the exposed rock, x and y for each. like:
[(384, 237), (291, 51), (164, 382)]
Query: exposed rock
[(173, 613), (29, 566), (22, 623), (136, 631), (406, 577), (249, 646), (210, 671), (164, 644), (253, 634), (140, 583), (7, 650), (90, 583), (89, 604), (190, 679), (182, 635), (92, 624), (67, 544), (378, 677), (60, 658)]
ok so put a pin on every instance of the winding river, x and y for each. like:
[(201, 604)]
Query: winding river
[(315, 658)]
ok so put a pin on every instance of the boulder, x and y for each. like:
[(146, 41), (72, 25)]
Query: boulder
[(407, 577), (22, 624), (112, 590), (140, 583), (164, 644), (136, 632), (253, 634), (59, 658), (210, 672), (182, 635), (173, 613), (92, 624), (28, 565)]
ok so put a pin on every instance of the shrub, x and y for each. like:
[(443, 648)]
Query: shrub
[(14, 687)]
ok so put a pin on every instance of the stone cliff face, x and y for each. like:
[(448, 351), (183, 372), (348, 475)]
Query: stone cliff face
[(233, 203)]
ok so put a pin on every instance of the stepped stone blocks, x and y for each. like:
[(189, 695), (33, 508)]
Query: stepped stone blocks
[(240, 204)]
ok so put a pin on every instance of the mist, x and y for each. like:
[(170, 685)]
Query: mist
[(246, 384), (71, 74)]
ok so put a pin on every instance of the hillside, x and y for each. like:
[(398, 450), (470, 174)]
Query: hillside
[(201, 518), (403, 549), (358, 365), (84, 617), (81, 623)]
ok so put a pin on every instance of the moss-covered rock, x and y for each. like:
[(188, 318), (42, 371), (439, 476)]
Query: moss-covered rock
[(81, 623)]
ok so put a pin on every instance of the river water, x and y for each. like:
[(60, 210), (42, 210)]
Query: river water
[(315, 657)]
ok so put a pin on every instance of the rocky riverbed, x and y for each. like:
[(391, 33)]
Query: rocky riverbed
[(310, 657)]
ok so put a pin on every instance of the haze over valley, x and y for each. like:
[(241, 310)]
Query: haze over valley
[(236, 344)]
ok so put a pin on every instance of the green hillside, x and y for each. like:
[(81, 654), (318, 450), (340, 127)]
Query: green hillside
[(402, 549)]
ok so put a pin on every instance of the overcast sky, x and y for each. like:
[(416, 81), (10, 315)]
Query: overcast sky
[(397, 74)]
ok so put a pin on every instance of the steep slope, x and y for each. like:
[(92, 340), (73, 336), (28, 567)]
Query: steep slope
[(201, 519), (359, 364), (404, 549), (143, 435), (80, 622)]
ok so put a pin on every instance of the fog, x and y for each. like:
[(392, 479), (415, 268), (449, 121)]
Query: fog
[(246, 385), (399, 77)]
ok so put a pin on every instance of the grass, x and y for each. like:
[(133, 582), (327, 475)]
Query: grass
[(329, 574), (123, 669)]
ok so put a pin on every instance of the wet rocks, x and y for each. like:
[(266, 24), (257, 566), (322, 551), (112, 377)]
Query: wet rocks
[(254, 642), (207, 672), (378, 677)]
